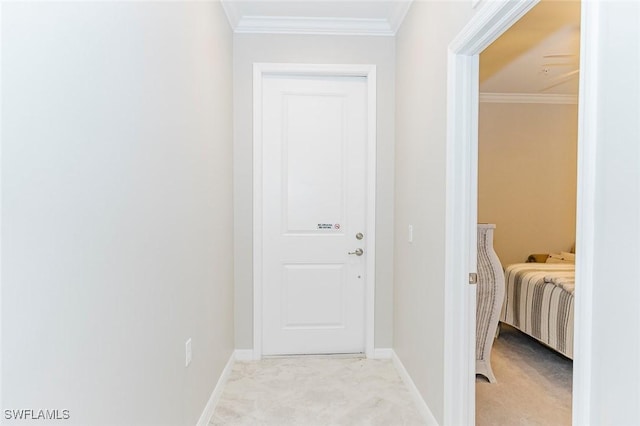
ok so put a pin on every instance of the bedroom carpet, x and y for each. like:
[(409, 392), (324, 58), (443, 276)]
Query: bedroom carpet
[(313, 391), (534, 384)]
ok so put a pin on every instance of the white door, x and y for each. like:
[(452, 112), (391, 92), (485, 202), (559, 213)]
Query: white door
[(314, 136)]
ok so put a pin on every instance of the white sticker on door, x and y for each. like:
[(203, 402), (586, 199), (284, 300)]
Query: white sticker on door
[(335, 226)]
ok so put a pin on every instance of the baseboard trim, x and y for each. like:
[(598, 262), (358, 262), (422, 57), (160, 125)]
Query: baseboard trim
[(382, 353), (422, 406), (205, 418), (244, 355)]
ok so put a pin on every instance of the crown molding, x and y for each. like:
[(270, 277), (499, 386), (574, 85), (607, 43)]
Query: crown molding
[(233, 15), (398, 14), (246, 24), (318, 26), (528, 98)]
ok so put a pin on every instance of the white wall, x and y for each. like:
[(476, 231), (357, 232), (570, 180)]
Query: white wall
[(421, 103), (614, 369), (249, 49), (116, 208), (527, 177)]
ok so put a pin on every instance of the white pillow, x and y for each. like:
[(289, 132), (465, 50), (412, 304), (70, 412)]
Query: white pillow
[(557, 258)]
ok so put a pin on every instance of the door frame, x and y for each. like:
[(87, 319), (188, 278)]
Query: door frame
[(332, 70), (490, 21)]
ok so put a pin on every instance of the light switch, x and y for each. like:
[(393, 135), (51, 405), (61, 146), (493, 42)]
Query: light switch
[(410, 233)]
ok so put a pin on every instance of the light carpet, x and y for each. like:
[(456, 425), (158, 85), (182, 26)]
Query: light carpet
[(534, 384), (314, 391)]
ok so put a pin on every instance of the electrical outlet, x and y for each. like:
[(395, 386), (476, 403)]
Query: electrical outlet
[(410, 233), (188, 353)]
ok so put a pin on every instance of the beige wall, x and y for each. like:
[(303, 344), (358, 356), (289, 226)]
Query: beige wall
[(527, 177), (116, 209), (249, 49), (421, 104)]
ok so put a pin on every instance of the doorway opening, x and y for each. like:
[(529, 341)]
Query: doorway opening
[(527, 158)]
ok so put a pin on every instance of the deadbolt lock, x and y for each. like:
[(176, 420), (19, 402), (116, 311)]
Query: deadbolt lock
[(359, 236)]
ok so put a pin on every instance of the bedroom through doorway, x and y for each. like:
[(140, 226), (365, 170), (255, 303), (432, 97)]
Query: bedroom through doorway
[(527, 178)]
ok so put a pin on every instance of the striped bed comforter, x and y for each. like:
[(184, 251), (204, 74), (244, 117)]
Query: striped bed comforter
[(539, 301)]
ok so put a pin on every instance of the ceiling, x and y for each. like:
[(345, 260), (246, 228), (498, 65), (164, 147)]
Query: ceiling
[(538, 55), (346, 17)]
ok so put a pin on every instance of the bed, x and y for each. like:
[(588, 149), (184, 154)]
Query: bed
[(539, 301)]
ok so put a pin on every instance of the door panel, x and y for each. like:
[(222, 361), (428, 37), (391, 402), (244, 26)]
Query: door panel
[(313, 296), (314, 177), (314, 155)]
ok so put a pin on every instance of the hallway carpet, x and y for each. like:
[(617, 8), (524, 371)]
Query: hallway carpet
[(534, 384), (315, 391)]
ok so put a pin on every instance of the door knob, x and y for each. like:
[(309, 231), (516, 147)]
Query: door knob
[(358, 252)]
